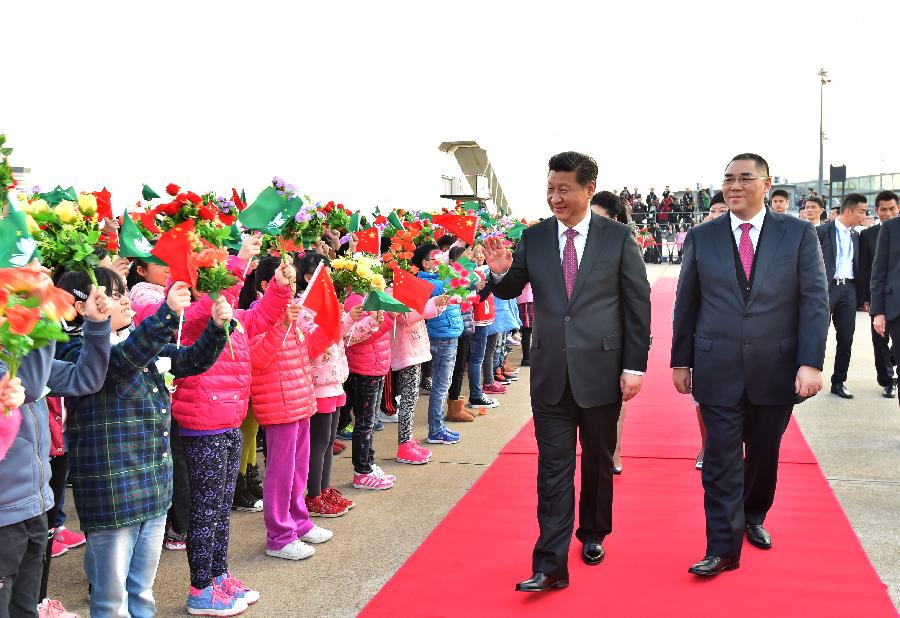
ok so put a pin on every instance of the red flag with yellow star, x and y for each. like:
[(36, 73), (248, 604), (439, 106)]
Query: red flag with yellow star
[(176, 249), (463, 226), (369, 241)]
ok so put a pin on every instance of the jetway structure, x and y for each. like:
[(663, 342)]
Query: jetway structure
[(474, 163)]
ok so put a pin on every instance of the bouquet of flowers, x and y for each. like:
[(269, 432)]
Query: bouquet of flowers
[(66, 234), (422, 230), (644, 238), (457, 282), (206, 210), (337, 217), (399, 255), (31, 308), (356, 275)]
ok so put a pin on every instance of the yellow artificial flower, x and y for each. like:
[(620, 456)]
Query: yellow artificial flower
[(33, 227), (87, 203), (66, 211), (341, 264), (35, 206), (364, 271), (378, 282)]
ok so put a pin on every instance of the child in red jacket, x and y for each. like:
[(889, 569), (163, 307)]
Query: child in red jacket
[(284, 398)]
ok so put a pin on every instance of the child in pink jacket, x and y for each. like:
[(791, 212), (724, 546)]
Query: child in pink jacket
[(330, 371), (284, 399), (409, 349), (369, 361)]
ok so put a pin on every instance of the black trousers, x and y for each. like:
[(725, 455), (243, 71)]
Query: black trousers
[(556, 427), (884, 357), (22, 547), (180, 511), (459, 367), (893, 330), (59, 469), (740, 470), (842, 299)]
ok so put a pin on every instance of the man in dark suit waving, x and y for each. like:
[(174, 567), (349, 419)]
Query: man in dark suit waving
[(840, 249), (746, 280), (588, 354)]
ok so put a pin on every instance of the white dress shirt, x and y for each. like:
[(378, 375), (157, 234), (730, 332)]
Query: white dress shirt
[(843, 263), (756, 222), (580, 240)]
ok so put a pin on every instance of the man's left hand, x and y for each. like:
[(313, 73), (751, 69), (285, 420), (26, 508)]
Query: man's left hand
[(630, 384)]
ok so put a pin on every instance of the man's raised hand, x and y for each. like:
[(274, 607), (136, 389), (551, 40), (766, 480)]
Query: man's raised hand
[(496, 256)]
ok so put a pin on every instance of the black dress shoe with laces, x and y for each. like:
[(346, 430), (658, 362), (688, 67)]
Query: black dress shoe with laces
[(841, 391), (713, 565), (540, 582), (758, 536), (889, 391), (592, 553)]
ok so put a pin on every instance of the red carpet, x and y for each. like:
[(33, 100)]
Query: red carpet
[(470, 562)]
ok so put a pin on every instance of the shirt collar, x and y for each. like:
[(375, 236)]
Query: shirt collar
[(582, 226), (840, 226), (756, 221)]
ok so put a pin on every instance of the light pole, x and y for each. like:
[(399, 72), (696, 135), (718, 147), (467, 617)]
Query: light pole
[(823, 79)]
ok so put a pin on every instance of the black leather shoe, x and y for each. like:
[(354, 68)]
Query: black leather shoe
[(889, 392), (592, 553), (839, 390), (540, 582), (758, 536), (713, 565)]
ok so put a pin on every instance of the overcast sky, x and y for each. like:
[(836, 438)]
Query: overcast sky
[(349, 100)]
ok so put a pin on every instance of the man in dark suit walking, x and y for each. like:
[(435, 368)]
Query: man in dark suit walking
[(885, 286), (886, 208), (840, 248), (588, 354), (746, 280)]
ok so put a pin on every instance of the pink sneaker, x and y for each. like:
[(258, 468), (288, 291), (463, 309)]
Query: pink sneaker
[(420, 448), (371, 481), (494, 388), (408, 453), (68, 538), (51, 608), (234, 587), (58, 549)]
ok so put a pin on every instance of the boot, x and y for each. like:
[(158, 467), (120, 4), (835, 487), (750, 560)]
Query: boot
[(456, 413), (243, 499), (254, 486)]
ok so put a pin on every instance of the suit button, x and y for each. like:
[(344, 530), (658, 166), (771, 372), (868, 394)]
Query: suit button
[(568, 318), (746, 316), (746, 343)]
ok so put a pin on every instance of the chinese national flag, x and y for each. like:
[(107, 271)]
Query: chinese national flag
[(412, 291), (321, 298), (176, 249), (463, 226), (369, 241)]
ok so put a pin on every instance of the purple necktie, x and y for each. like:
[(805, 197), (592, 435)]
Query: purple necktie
[(745, 249), (570, 261)]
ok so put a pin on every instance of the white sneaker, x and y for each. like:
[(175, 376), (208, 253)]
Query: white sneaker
[(296, 550), (384, 418), (317, 535), (377, 471)]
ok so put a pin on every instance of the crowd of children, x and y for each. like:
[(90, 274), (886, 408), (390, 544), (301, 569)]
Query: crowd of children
[(161, 418)]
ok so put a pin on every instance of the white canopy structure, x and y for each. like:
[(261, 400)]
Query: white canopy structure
[(473, 161)]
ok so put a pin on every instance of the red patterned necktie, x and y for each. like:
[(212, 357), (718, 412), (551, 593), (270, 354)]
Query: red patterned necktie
[(570, 261), (745, 249)]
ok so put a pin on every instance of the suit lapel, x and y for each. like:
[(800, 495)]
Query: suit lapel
[(552, 256), (723, 240), (592, 248), (769, 241)]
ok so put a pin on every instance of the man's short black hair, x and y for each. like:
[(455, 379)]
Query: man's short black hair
[(761, 164), (852, 200), (446, 241), (780, 193), (816, 200), (585, 167), (718, 198), (886, 196)]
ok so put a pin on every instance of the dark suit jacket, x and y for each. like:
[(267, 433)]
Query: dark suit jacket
[(753, 346), (827, 233), (885, 287), (867, 240), (601, 330)]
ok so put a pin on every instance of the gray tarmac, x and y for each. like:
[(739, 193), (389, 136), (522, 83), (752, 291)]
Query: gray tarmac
[(857, 443)]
